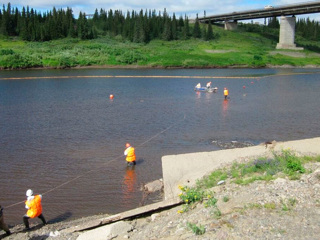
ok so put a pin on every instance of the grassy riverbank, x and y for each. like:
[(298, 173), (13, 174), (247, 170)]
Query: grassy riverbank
[(229, 49)]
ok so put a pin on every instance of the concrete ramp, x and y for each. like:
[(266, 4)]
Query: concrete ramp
[(185, 169), (123, 216)]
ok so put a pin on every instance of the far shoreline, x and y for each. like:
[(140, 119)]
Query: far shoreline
[(286, 66)]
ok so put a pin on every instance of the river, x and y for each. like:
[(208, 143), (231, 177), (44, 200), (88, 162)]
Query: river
[(63, 137)]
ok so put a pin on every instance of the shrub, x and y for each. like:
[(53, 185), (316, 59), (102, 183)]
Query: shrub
[(226, 199), (195, 229), (191, 195), (6, 51)]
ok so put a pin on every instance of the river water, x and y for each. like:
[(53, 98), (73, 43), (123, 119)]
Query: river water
[(63, 137)]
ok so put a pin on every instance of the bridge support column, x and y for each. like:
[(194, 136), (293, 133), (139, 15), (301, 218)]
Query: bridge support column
[(230, 25), (287, 32)]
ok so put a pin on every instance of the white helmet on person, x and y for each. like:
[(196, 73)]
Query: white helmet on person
[(29, 193)]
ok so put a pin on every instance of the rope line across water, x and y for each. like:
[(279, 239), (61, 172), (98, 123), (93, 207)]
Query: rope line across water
[(120, 76), (104, 164), (152, 76)]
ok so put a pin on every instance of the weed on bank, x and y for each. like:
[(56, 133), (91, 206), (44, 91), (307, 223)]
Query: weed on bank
[(286, 163)]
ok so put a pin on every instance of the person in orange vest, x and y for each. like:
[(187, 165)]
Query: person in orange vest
[(130, 155), (3, 226), (225, 93), (33, 204)]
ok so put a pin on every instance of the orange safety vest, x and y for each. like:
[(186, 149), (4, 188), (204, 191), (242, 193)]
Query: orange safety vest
[(226, 92), (131, 155), (35, 207)]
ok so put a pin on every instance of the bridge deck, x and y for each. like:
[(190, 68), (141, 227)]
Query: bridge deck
[(292, 9)]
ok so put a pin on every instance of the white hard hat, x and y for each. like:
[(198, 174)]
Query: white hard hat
[(29, 193)]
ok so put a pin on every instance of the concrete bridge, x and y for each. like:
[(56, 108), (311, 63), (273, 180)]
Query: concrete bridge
[(287, 20)]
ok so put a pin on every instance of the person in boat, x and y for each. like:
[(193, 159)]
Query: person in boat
[(225, 93), (198, 85), (130, 155), (208, 85), (3, 226), (34, 206)]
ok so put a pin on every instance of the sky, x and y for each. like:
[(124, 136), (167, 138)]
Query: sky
[(179, 7)]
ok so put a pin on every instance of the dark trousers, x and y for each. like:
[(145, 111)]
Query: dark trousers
[(4, 226), (26, 222), (129, 164)]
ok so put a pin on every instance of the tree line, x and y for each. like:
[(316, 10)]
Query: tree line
[(306, 28), (143, 26), (140, 27)]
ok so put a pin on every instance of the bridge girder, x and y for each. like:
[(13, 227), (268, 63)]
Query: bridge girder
[(288, 10)]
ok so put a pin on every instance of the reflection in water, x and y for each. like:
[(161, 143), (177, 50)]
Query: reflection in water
[(198, 94), (129, 183), (225, 107)]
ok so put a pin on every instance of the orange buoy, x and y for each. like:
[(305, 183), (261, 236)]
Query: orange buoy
[(111, 96), (244, 87)]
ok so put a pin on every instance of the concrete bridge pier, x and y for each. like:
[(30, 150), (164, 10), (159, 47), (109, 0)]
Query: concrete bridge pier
[(230, 25), (287, 33)]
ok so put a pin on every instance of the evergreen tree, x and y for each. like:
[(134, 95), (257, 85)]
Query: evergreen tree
[(186, 31), (196, 29), (180, 24), (210, 35), (23, 25), (167, 31), (142, 34), (204, 33), (174, 27), (4, 22), (137, 30), (273, 22), (72, 28), (0, 20)]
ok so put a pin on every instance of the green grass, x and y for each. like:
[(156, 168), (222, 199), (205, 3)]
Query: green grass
[(197, 230), (286, 163), (240, 49), (263, 169)]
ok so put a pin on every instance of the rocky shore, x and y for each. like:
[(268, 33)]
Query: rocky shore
[(277, 209), (280, 209)]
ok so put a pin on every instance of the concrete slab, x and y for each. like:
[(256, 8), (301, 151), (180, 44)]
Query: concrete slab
[(185, 169), (106, 232), (145, 209), (125, 215)]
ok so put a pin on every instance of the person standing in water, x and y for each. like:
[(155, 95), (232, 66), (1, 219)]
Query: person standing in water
[(225, 93), (130, 155)]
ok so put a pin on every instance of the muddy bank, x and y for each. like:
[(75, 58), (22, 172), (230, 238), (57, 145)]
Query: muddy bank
[(159, 67)]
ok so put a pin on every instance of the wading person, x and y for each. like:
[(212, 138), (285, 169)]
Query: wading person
[(3, 226), (225, 93), (33, 204), (130, 155)]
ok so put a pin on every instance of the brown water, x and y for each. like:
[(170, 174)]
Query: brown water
[(63, 137)]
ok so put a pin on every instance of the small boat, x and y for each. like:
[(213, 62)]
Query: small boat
[(206, 89)]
